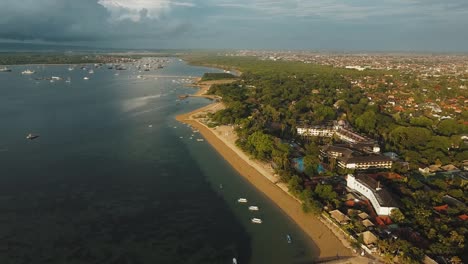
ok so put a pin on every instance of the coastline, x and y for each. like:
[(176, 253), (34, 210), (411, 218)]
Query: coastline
[(329, 243)]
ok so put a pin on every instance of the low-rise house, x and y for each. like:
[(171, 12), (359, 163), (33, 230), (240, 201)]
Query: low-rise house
[(449, 167), (367, 223), (339, 217), (381, 200), (369, 238), (363, 216)]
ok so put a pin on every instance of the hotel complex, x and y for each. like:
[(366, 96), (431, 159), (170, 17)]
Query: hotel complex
[(381, 200)]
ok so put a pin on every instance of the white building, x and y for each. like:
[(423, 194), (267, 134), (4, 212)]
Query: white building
[(381, 200), (316, 131), (366, 162), (337, 129)]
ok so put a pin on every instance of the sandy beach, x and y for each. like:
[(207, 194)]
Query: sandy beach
[(328, 244)]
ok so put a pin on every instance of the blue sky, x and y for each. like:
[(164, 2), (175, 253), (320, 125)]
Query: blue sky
[(341, 25)]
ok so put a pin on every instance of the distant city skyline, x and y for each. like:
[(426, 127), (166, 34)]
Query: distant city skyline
[(353, 25)]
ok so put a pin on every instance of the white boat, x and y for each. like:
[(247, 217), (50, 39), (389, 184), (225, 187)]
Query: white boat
[(56, 78), (256, 220), (68, 80), (253, 208), (234, 261), (85, 78), (31, 136), (288, 237), (71, 68), (28, 72), (5, 69), (242, 200), (200, 139), (91, 71)]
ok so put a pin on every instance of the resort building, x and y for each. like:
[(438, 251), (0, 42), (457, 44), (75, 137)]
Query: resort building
[(366, 162), (381, 199), (316, 131), (349, 136), (348, 159), (338, 129), (335, 152)]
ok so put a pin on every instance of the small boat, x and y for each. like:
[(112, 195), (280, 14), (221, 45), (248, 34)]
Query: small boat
[(28, 72), (234, 261), (85, 78), (91, 71), (150, 125), (31, 136), (71, 68), (256, 220), (68, 80), (253, 208), (5, 69), (242, 200), (288, 237), (200, 139), (56, 78)]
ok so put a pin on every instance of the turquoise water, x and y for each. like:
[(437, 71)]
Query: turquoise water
[(113, 178)]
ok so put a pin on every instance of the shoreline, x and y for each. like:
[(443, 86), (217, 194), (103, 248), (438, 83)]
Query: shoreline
[(328, 244)]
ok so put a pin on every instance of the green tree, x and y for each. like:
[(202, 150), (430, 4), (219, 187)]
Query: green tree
[(397, 216), (262, 144), (325, 192), (449, 127), (421, 121), (367, 121), (295, 185)]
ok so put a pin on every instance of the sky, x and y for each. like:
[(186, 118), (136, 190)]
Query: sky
[(326, 25)]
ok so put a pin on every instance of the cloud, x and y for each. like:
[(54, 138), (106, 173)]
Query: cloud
[(351, 9), (361, 24), (89, 20)]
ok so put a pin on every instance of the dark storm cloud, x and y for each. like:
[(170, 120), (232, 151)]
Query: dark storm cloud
[(77, 20)]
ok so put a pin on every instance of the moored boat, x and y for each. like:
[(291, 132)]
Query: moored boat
[(253, 208), (256, 220), (242, 200), (288, 237), (31, 136), (28, 72), (5, 69)]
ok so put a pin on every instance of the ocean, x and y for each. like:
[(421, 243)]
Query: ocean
[(114, 178)]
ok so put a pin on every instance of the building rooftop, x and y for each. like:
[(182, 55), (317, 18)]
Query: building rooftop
[(384, 197), (346, 152), (363, 159)]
